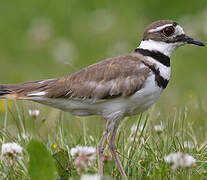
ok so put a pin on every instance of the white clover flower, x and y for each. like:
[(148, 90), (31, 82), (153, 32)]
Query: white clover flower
[(11, 151), (179, 159), (159, 128), (83, 150), (83, 155), (90, 177), (34, 113)]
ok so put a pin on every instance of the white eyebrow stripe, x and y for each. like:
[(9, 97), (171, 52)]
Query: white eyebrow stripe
[(159, 28)]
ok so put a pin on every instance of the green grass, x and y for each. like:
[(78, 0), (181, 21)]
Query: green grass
[(142, 159)]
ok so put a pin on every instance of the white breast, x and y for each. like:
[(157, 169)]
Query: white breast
[(164, 70)]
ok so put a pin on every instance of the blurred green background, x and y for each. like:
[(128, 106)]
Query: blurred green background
[(42, 39)]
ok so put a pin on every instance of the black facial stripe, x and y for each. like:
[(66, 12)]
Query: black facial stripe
[(161, 82), (160, 57)]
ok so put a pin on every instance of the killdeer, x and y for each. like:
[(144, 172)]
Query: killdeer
[(113, 88)]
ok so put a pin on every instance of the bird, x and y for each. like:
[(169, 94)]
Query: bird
[(112, 88)]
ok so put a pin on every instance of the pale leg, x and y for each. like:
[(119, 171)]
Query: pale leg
[(112, 148), (100, 152)]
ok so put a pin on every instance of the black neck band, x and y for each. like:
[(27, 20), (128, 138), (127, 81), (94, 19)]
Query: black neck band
[(160, 57), (161, 82)]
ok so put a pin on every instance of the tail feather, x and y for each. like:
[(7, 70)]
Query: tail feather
[(4, 90), (24, 90)]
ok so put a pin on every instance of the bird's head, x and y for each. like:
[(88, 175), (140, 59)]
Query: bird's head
[(165, 36)]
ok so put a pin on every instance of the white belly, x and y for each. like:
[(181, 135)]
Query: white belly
[(134, 104)]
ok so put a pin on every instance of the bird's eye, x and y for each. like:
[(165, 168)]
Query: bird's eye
[(168, 31)]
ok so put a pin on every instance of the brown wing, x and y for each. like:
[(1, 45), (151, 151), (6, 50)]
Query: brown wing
[(118, 76)]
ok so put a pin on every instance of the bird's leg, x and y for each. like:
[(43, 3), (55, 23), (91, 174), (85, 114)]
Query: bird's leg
[(112, 148), (100, 152)]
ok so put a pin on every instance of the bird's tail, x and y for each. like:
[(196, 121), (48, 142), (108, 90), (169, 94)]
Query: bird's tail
[(4, 90), (25, 90)]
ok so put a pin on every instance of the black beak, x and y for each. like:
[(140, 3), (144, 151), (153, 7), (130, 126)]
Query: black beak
[(190, 40)]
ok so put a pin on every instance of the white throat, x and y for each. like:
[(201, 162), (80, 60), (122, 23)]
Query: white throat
[(163, 47)]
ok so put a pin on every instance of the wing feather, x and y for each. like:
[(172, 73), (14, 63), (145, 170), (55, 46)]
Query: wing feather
[(119, 76)]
